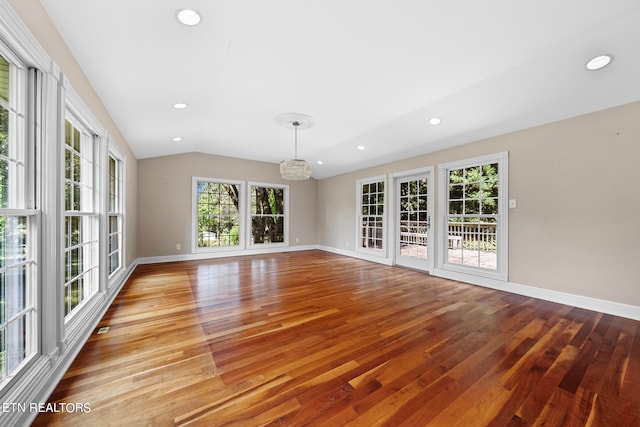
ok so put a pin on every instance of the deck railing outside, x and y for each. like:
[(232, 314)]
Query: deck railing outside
[(473, 235)]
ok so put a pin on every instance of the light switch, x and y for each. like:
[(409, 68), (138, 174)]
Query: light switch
[(512, 203)]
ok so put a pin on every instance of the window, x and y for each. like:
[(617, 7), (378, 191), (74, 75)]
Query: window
[(81, 220), (217, 214), (114, 214), (18, 225), (268, 214), (475, 215), (371, 218)]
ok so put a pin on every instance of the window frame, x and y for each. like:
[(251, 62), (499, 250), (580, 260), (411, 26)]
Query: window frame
[(89, 214), (119, 213), (21, 108), (195, 180), (359, 247), (285, 215), (502, 221)]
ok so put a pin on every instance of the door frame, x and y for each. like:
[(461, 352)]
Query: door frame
[(423, 265)]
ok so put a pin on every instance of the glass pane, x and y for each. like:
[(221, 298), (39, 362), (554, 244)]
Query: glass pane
[(114, 262), (490, 172), (490, 206), (76, 139), (16, 288), (3, 354), (473, 174), (4, 163), (490, 189), (68, 198), (456, 192), (455, 207), (422, 203), (70, 297), (113, 224), (112, 185), (471, 207), (76, 167), (5, 83), (68, 133), (76, 198), (16, 343), (68, 165), (456, 176), (113, 242), (424, 186), (472, 191), (3, 298)]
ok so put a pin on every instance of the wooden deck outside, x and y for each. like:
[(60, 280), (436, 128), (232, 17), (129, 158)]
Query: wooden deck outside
[(312, 338)]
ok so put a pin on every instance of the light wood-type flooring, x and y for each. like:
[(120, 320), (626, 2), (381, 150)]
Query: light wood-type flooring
[(313, 338)]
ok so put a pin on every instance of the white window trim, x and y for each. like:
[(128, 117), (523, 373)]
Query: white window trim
[(241, 215), (502, 271), (249, 214), (93, 258), (385, 238), (114, 152), (24, 105)]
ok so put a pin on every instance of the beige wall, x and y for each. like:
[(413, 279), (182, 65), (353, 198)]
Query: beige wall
[(575, 228), (164, 202), (37, 21)]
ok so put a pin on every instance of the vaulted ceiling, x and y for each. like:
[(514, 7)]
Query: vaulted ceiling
[(369, 72)]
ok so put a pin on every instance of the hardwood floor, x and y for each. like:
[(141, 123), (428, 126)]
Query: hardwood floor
[(312, 338)]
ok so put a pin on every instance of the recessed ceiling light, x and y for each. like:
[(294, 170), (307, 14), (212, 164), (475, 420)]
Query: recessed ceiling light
[(319, 162), (361, 147), (434, 121), (599, 62), (188, 17), (177, 139), (180, 105)]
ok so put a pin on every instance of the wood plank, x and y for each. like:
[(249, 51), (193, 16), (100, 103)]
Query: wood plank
[(312, 338)]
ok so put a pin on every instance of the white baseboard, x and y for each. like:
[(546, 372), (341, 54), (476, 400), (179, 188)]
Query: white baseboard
[(580, 301), (221, 254), (574, 300), (353, 254)]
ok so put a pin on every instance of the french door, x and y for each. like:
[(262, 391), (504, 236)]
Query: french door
[(413, 228)]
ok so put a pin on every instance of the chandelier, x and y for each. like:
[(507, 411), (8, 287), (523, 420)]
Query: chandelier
[(295, 169)]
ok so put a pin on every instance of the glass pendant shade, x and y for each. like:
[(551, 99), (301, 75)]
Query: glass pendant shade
[(295, 170)]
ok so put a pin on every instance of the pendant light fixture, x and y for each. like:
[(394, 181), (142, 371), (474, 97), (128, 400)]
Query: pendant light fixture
[(295, 169)]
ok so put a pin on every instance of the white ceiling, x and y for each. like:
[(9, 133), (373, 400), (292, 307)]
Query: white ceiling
[(370, 72)]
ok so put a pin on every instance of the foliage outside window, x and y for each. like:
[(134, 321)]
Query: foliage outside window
[(81, 243), (268, 214), (218, 214), (371, 222), (473, 204), (17, 267), (414, 217), (115, 215)]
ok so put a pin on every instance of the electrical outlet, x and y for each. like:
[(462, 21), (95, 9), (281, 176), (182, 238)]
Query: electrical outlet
[(178, 246)]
